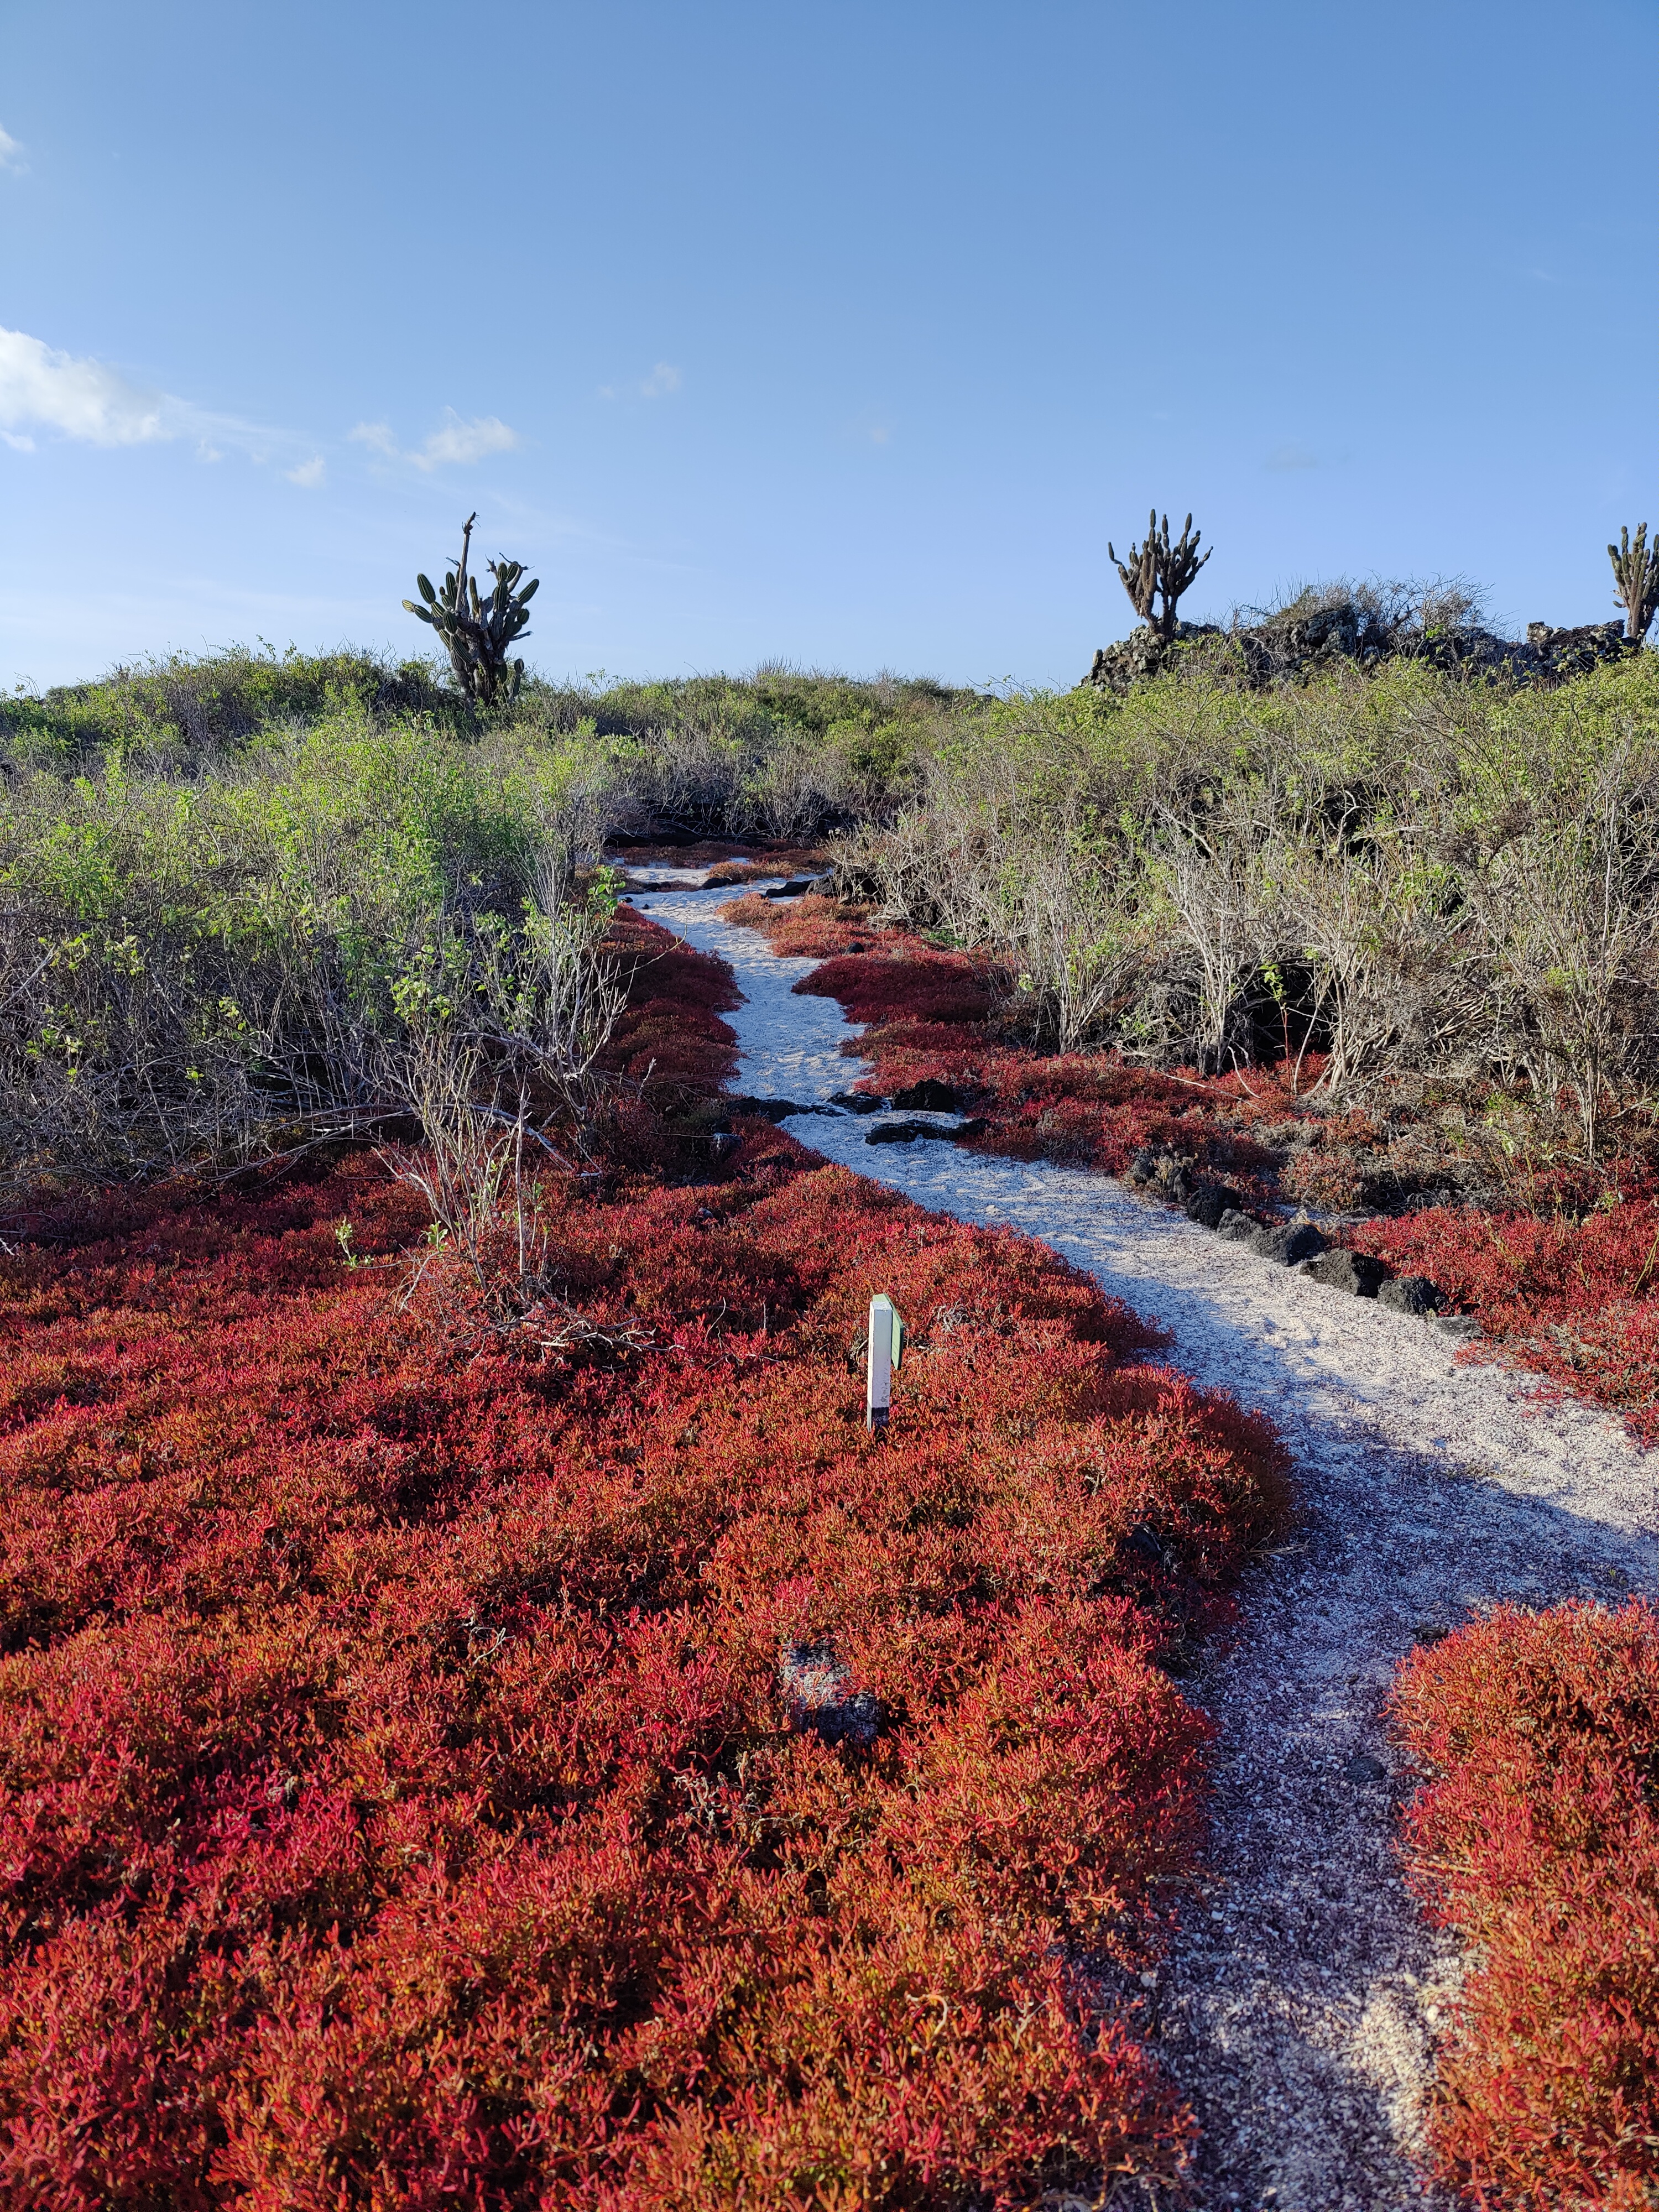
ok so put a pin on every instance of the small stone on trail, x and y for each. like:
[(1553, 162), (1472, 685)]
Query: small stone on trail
[(1362, 1767), (855, 1101), (1463, 1328)]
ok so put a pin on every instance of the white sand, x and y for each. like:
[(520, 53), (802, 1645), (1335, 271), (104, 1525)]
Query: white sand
[(1299, 2009)]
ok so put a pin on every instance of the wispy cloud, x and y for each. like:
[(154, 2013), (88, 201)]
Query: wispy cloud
[(43, 389), (663, 379), (11, 154), (1293, 456), (377, 436), (466, 442), (309, 474), (456, 441)]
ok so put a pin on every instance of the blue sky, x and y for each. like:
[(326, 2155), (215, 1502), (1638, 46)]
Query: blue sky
[(844, 334)]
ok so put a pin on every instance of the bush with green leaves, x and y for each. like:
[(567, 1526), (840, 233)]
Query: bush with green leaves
[(194, 969)]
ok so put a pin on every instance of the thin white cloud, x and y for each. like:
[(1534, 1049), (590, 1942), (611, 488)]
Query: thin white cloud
[(458, 441), (466, 442), (309, 474), (19, 441), (83, 399), (377, 436), (11, 154), (663, 379)]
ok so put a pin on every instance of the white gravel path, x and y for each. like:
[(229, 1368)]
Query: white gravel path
[(1300, 2007)]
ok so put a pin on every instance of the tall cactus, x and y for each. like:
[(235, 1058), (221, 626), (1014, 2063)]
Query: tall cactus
[(1157, 567), (477, 628), (1177, 565), (1636, 572), (1139, 572)]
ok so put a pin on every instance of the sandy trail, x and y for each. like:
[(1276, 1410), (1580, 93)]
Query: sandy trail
[(1299, 2009)]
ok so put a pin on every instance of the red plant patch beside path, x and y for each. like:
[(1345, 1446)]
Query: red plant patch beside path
[(925, 1013), (1539, 1843), (1576, 1300), (1567, 1283), (405, 1793)]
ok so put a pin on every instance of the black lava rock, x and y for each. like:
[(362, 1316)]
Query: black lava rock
[(772, 1109), (905, 1133), (1355, 1272), (818, 1690), (927, 1096), (1294, 1241), (855, 1101), (1209, 1202), (1237, 1227), (1409, 1294)]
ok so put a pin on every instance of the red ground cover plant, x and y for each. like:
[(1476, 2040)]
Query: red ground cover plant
[(926, 1013), (1565, 1279), (1539, 1843), (1576, 1300), (402, 1801)]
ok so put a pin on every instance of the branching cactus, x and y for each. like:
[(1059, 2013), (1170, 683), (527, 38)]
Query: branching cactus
[(1177, 565), (1159, 567), (476, 629), (1636, 572), (1139, 572)]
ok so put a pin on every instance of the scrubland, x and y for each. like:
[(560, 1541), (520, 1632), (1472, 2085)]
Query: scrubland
[(430, 1457)]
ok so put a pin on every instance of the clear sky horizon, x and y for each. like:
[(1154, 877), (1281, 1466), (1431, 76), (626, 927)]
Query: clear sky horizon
[(843, 336)]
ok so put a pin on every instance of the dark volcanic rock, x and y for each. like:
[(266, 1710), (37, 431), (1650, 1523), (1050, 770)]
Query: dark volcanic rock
[(771, 1109), (1409, 1294), (1209, 1202), (930, 1096), (1355, 1272), (819, 1693), (1293, 1241), (855, 1101), (906, 1133), (1237, 1227)]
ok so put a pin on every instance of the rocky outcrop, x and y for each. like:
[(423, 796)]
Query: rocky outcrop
[(1303, 640)]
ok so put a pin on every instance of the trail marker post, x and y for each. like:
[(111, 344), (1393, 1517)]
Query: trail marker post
[(886, 1347)]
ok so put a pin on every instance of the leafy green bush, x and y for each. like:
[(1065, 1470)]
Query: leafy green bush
[(187, 965)]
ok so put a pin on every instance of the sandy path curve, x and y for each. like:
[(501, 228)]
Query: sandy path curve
[(1300, 2007)]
